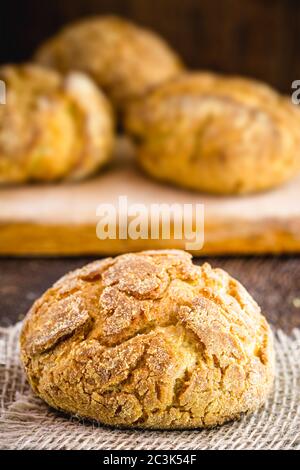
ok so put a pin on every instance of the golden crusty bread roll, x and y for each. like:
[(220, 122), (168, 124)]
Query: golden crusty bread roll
[(124, 59), (52, 127), (217, 134), (149, 340)]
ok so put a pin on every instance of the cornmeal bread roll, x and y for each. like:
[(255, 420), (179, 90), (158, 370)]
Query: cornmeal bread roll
[(52, 127), (217, 134), (123, 58), (149, 340)]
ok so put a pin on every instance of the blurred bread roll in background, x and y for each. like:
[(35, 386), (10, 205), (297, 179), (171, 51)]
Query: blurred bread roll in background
[(52, 127), (124, 59), (216, 134)]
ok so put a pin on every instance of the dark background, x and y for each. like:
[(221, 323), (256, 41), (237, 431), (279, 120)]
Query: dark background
[(258, 38)]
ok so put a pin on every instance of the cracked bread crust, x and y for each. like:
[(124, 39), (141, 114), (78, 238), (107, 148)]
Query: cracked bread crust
[(223, 135), (149, 340)]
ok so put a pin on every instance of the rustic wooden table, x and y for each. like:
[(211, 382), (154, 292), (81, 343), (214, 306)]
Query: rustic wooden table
[(273, 281)]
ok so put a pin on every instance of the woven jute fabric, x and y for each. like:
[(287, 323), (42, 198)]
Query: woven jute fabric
[(28, 423)]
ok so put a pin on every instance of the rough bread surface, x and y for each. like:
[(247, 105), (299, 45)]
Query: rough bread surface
[(124, 59), (149, 340), (218, 134)]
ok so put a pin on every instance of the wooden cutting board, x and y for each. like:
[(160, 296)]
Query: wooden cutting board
[(61, 219)]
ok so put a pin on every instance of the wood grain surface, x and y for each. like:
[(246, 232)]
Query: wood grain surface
[(61, 219)]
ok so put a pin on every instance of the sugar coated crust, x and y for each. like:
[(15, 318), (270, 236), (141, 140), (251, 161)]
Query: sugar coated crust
[(52, 127), (217, 134), (149, 340)]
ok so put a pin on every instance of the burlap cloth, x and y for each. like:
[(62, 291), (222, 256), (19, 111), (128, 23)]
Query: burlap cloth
[(27, 423)]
